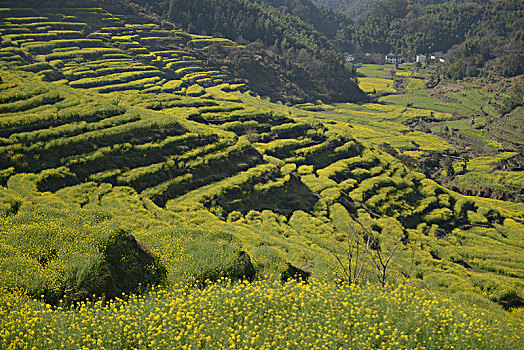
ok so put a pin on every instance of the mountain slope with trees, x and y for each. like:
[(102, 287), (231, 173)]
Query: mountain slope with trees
[(358, 8), (355, 8), (486, 38), (305, 59)]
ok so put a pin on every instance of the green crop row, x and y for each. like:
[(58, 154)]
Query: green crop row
[(35, 67), (30, 103), (144, 160), (87, 112), (162, 40), (112, 79), (53, 151), (182, 64), (484, 163), (133, 85), (204, 74), (206, 194), (85, 72), (341, 168), (71, 129), (104, 63), (190, 69), (89, 52), (222, 162), (58, 25), (313, 150), (32, 36), (281, 145), (19, 93), (46, 47), (95, 160), (22, 20), (146, 176)]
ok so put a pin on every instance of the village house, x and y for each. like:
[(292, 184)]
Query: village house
[(392, 59), (421, 58), (368, 58), (437, 58), (348, 57)]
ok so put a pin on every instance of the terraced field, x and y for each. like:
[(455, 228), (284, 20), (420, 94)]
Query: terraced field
[(243, 161), (471, 122), (111, 53), (114, 121), (376, 85), (464, 99)]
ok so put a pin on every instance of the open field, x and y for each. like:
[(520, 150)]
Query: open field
[(376, 70), (376, 85)]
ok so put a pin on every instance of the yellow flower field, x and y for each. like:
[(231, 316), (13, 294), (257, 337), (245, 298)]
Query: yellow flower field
[(368, 84), (262, 315)]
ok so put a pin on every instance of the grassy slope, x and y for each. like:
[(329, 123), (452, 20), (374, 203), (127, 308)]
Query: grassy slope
[(181, 163)]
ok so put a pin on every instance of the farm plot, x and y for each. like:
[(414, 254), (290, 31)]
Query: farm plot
[(376, 85)]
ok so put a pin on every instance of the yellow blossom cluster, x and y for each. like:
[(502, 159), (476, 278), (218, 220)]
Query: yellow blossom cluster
[(260, 315)]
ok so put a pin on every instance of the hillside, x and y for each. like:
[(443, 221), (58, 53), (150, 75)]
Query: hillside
[(305, 42), (488, 35), (127, 155), (355, 8), (290, 55), (477, 149), (359, 8)]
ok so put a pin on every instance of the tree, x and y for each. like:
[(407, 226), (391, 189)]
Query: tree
[(362, 253)]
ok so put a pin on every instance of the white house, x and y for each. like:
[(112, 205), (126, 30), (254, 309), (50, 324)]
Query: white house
[(349, 57), (393, 59), (421, 58), (437, 57)]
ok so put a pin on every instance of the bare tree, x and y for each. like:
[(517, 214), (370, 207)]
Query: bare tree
[(363, 249), (356, 253), (390, 261)]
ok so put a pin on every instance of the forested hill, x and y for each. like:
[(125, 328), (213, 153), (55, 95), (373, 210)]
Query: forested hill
[(355, 8), (292, 40), (301, 41), (490, 33), (358, 8), (407, 27), (322, 18), (306, 42)]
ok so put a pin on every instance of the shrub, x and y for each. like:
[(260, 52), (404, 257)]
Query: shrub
[(437, 216)]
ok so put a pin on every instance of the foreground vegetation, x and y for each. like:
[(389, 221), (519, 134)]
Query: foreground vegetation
[(264, 315)]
